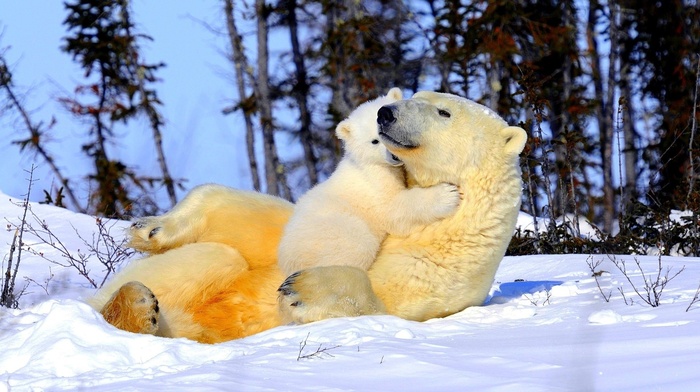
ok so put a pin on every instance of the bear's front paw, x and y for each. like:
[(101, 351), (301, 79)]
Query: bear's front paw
[(324, 292), (448, 199), (133, 308)]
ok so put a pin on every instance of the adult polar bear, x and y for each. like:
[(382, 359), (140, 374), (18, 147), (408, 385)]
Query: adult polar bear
[(212, 285)]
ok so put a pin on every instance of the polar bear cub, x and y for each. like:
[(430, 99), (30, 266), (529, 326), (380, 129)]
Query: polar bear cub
[(344, 220)]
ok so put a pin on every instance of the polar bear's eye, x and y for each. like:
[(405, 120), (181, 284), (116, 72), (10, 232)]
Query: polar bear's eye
[(375, 141), (444, 113)]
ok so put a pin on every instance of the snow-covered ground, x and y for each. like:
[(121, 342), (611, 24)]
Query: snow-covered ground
[(546, 327)]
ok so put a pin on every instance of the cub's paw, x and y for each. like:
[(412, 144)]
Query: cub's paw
[(144, 234), (325, 292), (133, 308), (447, 199)]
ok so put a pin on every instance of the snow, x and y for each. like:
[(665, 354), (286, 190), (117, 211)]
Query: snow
[(545, 327)]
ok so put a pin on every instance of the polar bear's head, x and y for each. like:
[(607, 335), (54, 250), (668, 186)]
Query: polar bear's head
[(440, 137), (360, 133)]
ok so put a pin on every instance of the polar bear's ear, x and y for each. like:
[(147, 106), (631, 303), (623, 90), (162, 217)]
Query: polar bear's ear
[(515, 138), (343, 130), (395, 93)]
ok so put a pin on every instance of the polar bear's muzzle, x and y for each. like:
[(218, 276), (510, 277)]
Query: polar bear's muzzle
[(391, 131), (385, 116)]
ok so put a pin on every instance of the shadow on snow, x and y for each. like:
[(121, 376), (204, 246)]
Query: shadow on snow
[(511, 290)]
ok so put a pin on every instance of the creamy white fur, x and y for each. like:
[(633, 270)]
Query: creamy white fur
[(450, 264), (213, 259), (344, 220)]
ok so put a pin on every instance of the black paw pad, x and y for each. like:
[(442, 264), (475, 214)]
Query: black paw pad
[(138, 225)]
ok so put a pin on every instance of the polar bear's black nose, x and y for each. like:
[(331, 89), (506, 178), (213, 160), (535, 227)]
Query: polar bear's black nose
[(385, 116)]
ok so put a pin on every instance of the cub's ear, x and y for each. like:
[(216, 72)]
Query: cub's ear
[(343, 130), (515, 138), (395, 93)]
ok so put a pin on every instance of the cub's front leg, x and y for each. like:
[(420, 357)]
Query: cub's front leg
[(324, 292), (416, 207)]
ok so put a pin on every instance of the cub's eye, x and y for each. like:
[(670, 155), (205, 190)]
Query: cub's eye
[(444, 113), (375, 141)]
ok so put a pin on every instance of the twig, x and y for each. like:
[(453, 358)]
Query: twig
[(631, 301), (595, 274), (319, 353), (44, 286), (653, 288), (36, 134), (696, 298), (536, 302), (9, 298), (109, 252)]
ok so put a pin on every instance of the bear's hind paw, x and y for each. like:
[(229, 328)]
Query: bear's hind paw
[(133, 308)]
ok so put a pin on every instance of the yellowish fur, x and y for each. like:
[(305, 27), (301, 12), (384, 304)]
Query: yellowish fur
[(132, 308), (250, 222), (450, 264), (215, 291), (206, 292)]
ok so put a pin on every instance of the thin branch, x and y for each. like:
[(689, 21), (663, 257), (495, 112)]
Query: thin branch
[(695, 299), (9, 298), (596, 274), (653, 288), (35, 133), (147, 105), (102, 246), (693, 129), (320, 352)]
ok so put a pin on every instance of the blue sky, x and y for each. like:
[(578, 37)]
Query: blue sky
[(195, 86)]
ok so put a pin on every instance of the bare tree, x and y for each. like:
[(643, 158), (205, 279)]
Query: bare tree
[(141, 74), (274, 172), (261, 104), (603, 107), (300, 92), (100, 39), (8, 297), (36, 138), (243, 73)]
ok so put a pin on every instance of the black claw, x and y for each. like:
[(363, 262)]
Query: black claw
[(138, 224), (154, 321), (153, 232), (286, 290), (295, 303), (286, 287), (156, 309)]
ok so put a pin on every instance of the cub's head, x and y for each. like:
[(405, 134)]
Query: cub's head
[(360, 134), (441, 136)]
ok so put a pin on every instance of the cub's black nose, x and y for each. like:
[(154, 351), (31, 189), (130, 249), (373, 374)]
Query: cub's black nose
[(385, 116)]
